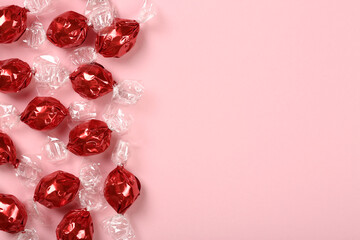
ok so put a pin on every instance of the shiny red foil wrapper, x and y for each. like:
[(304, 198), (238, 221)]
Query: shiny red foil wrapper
[(89, 138), (121, 190), (15, 75), (68, 30), (12, 23), (44, 113), (92, 81), (7, 151), (117, 39), (13, 216), (57, 189), (76, 225)]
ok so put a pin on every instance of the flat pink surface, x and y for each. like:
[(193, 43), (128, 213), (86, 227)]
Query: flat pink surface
[(249, 128)]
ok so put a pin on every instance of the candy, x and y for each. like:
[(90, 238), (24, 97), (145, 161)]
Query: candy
[(117, 119), (90, 175), (68, 30), (35, 35), (9, 117), (92, 81), (77, 224), (121, 189), (55, 150), (28, 234), (37, 6), (13, 216), (15, 75), (50, 75), (117, 39), (83, 55), (89, 138), (100, 13), (44, 113), (29, 170), (7, 151), (82, 110), (128, 92), (12, 23), (119, 228), (57, 189), (92, 199)]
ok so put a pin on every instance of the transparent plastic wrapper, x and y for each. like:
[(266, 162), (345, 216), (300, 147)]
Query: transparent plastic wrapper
[(92, 200), (28, 234), (90, 176), (9, 117), (91, 196), (120, 154), (50, 75), (82, 111), (147, 12), (35, 35), (119, 228), (116, 119), (29, 170), (128, 92), (100, 14), (37, 6), (83, 55), (55, 150)]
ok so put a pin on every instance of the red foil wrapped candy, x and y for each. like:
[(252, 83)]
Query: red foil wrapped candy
[(7, 151), (68, 30), (57, 189), (76, 224), (121, 190), (15, 75), (44, 113), (89, 138), (13, 214), (12, 23), (92, 81), (117, 39)]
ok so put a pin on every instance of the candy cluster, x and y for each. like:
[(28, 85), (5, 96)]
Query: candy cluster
[(90, 136)]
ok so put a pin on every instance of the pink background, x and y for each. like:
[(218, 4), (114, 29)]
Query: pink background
[(249, 128)]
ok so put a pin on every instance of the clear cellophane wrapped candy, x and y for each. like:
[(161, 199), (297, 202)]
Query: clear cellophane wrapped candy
[(91, 196), (116, 119), (35, 35), (54, 150), (128, 92), (82, 110), (100, 13), (119, 228), (37, 6), (83, 55), (29, 169), (50, 74), (28, 234), (9, 117)]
